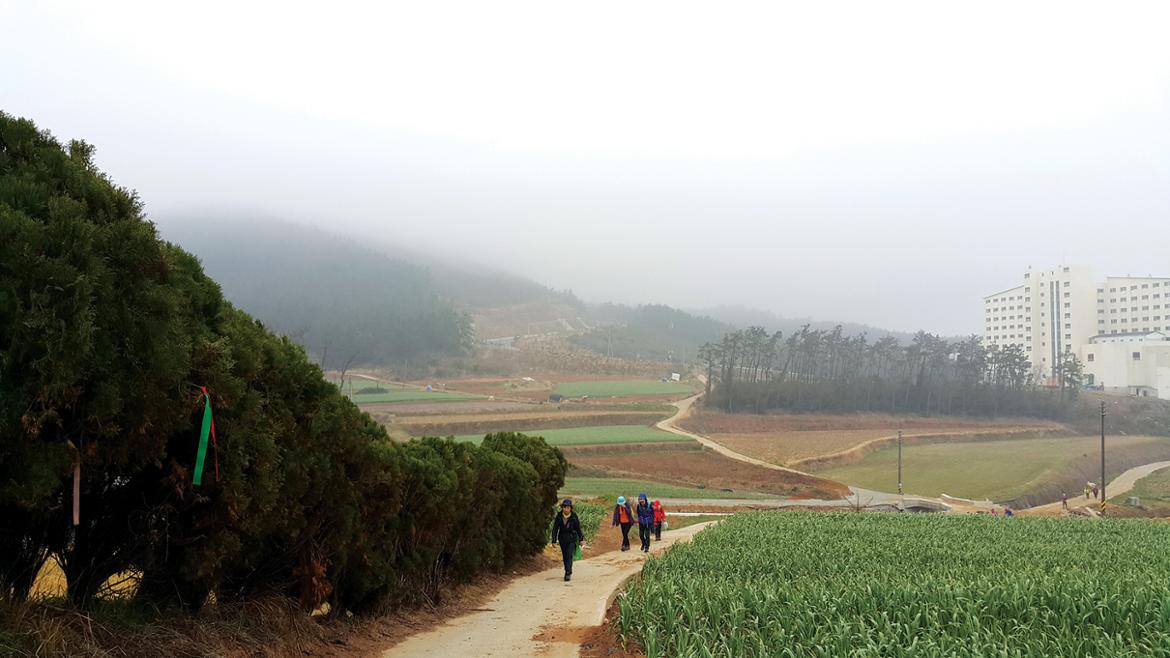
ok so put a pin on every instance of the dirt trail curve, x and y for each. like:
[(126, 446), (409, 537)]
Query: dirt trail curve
[(540, 605), (1121, 485), (866, 496), (684, 409)]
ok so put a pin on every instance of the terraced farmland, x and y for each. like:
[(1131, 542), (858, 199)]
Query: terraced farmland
[(818, 585), (622, 388), (364, 391), (597, 435)]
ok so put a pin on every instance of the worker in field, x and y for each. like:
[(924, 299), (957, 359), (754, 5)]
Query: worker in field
[(566, 531), (1064, 500), (623, 516), (659, 519), (645, 521)]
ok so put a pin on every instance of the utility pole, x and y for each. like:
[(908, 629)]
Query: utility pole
[(1102, 452), (899, 462)]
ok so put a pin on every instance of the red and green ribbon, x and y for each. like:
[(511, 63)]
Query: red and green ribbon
[(208, 428)]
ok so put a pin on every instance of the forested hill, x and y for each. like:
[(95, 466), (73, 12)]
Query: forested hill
[(344, 302)]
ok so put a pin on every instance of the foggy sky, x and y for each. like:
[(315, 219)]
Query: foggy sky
[(887, 163)]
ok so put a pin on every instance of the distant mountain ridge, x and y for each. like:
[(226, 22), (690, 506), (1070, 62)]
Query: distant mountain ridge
[(368, 302)]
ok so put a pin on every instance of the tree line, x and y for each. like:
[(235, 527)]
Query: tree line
[(826, 370), (109, 338)]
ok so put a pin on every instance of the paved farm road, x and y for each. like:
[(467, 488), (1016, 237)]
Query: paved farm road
[(541, 603)]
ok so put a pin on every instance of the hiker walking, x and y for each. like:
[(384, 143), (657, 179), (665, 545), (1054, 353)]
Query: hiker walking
[(1064, 501), (566, 531), (623, 516), (645, 521), (1086, 492), (659, 518)]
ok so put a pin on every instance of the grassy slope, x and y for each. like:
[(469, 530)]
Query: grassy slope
[(611, 488), (622, 388), (597, 435), (999, 470), (1153, 492)]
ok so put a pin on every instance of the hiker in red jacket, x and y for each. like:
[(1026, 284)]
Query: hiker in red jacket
[(659, 517), (623, 516)]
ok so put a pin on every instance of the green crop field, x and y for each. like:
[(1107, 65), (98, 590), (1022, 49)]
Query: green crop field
[(817, 585), (598, 435), (397, 393), (621, 388), (611, 488), (997, 470)]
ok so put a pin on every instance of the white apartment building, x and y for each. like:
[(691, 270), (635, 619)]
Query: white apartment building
[(1067, 309)]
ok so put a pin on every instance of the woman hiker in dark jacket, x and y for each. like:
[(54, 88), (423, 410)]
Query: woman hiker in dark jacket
[(566, 531), (623, 516), (645, 521)]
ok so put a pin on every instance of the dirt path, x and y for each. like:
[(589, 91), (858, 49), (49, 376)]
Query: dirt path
[(684, 409), (539, 615), (1121, 485)]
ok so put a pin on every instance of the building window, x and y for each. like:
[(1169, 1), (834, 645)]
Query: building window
[(1067, 326), (1137, 356), (1067, 305), (1068, 336), (1067, 316), (1089, 356)]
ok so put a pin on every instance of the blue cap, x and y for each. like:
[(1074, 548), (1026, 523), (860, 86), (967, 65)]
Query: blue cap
[(621, 500), (567, 501), (641, 496)]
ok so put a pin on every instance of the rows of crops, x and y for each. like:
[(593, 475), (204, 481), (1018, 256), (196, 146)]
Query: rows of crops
[(814, 584)]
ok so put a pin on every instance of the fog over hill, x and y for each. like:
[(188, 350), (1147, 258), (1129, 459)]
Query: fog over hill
[(367, 301)]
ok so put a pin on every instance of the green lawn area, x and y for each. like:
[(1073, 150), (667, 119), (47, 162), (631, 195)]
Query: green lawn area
[(600, 435), (619, 388), (1153, 492), (993, 469), (611, 488), (397, 393)]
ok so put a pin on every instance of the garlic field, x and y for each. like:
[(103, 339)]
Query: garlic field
[(794, 584)]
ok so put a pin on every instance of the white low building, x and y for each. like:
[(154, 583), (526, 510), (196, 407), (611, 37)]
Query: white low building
[(1133, 364)]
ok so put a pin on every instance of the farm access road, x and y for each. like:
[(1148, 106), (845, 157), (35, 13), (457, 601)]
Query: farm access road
[(1121, 485), (867, 498), (539, 615)]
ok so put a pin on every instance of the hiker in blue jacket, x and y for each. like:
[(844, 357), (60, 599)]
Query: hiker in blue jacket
[(566, 531), (645, 521)]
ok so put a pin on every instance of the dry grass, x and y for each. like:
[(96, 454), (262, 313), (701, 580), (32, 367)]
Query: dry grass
[(819, 449)]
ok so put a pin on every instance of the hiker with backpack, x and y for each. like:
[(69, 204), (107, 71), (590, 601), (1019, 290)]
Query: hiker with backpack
[(566, 531), (645, 521), (623, 516), (659, 519)]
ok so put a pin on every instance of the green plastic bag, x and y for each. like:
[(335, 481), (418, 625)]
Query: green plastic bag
[(577, 553)]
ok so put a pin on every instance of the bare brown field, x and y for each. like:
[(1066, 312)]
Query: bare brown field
[(811, 450), (547, 419), (709, 421), (690, 464)]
